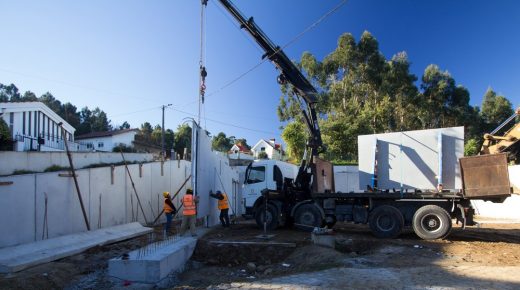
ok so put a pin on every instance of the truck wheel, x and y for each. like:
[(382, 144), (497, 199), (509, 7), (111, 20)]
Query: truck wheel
[(307, 217), (272, 216), (386, 221), (431, 222)]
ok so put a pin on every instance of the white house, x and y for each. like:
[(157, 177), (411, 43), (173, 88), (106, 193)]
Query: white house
[(273, 150), (35, 127), (239, 151), (106, 141)]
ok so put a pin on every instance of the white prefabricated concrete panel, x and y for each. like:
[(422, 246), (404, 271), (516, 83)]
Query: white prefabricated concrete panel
[(411, 159), (17, 258), (107, 200), (213, 173), (23, 201), (346, 178), (39, 161), (64, 214), (17, 208), (154, 262)]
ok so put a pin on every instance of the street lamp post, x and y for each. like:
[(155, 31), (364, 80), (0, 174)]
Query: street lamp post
[(163, 153)]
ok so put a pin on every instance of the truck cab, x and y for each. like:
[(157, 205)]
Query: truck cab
[(262, 174)]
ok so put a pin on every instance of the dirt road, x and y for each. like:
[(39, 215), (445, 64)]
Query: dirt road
[(487, 257)]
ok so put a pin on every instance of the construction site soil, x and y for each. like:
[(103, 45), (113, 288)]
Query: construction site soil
[(237, 257)]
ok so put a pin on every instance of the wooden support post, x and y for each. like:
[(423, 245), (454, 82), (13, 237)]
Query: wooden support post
[(133, 185), (64, 136)]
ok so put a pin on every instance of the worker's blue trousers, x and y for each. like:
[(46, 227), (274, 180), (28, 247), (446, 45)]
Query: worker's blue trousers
[(168, 223)]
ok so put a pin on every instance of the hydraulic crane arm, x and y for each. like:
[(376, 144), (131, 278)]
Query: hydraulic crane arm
[(288, 72)]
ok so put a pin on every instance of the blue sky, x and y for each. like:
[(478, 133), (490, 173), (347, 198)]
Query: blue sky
[(130, 57)]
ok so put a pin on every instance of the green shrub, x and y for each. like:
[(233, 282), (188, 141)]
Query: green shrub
[(55, 167), (23, 171)]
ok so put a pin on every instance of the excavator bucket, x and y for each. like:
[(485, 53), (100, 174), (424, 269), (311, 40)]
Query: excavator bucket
[(485, 177)]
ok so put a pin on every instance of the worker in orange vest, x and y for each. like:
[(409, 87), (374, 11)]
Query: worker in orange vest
[(223, 205), (169, 211), (189, 213)]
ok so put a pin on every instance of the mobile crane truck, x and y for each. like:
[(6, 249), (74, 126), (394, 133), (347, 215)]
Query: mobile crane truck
[(309, 199)]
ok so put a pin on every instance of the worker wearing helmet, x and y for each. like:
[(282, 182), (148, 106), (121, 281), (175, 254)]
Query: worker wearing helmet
[(223, 205), (169, 211), (189, 213)]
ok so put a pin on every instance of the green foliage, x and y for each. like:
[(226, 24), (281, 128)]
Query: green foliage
[(55, 167), (361, 92), (123, 148), (495, 109), (471, 147), (295, 136), (182, 140), (222, 143), (6, 142), (124, 126), (262, 155), (22, 171)]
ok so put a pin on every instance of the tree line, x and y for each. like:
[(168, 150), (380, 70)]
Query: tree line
[(362, 92)]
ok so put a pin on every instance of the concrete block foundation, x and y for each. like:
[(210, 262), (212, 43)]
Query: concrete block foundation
[(154, 262)]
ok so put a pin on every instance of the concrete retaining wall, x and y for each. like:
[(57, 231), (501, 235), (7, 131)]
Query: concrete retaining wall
[(39, 161), (22, 199)]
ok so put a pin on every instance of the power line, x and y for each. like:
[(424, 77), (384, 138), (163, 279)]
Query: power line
[(73, 84), (313, 25), (224, 123)]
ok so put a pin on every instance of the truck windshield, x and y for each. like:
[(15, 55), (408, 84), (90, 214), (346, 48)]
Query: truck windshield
[(256, 174)]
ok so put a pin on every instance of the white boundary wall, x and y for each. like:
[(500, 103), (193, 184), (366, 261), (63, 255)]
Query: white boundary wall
[(39, 161), (22, 203)]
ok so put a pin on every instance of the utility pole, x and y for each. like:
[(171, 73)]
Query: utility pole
[(163, 153)]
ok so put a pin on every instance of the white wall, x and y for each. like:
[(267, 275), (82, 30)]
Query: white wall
[(213, 168), (510, 208), (39, 161), (23, 202)]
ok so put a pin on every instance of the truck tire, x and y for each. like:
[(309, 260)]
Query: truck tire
[(272, 217), (307, 217), (386, 222), (431, 222)]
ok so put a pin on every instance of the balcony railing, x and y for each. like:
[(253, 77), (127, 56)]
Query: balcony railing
[(30, 143)]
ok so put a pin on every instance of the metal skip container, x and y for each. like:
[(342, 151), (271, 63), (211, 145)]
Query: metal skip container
[(485, 177)]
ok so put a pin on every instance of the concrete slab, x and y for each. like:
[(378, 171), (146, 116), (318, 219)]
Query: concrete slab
[(17, 258), (324, 240), (156, 261)]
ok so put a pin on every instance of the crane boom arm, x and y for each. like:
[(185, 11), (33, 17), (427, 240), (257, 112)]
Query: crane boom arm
[(289, 72)]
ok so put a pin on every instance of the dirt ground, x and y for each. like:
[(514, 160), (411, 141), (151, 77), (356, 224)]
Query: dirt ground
[(291, 252)]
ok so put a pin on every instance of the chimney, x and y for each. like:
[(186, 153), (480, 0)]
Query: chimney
[(272, 141)]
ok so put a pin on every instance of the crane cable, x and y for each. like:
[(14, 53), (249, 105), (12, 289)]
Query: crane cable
[(202, 68)]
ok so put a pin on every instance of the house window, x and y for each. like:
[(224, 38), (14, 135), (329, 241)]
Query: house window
[(23, 123), (262, 149), (29, 123), (43, 125), (100, 144), (89, 146), (11, 122), (35, 124)]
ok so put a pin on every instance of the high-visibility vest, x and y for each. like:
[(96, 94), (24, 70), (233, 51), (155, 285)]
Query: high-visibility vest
[(223, 203), (189, 205), (167, 207)]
